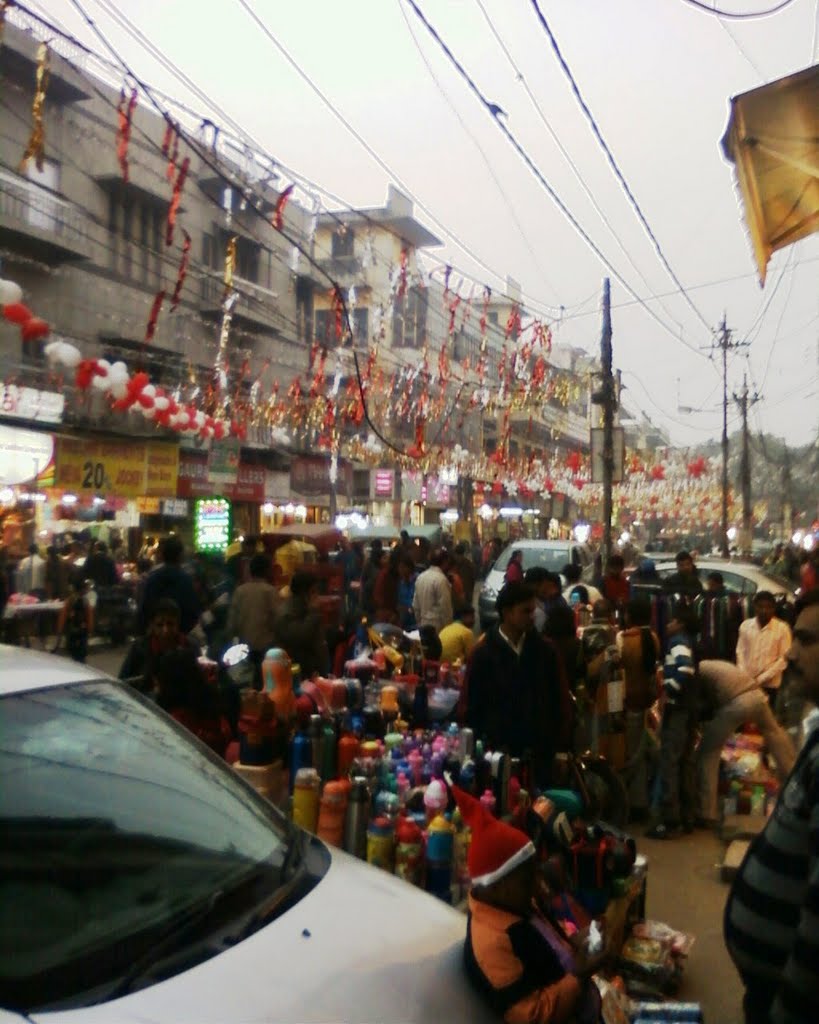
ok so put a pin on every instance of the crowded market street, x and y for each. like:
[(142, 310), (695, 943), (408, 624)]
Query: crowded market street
[(409, 512)]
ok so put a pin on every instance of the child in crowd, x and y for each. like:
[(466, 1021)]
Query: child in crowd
[(519, 962), (676, 775)]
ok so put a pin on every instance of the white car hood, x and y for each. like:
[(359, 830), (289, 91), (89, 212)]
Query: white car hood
[(361, 946)]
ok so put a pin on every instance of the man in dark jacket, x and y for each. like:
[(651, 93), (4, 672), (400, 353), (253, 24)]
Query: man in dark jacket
[(685, 580), (170, 580), (301, 629), (513, 689)]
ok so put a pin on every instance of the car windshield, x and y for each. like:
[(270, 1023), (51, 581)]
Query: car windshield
[(549, 558), (116, 825)]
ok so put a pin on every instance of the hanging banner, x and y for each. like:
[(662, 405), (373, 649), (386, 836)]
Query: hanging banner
[(310, 476), (128, 469), (223, 464)]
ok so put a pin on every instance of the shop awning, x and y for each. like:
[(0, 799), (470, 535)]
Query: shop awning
[(773, 140)]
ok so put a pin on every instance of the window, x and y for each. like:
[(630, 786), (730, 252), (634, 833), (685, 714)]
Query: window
[(409, 320), (343, 244), (115, 827), (492, 317), (247, 254), (325, 320)]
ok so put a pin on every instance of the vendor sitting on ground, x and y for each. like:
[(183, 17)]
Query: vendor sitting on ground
[(140, 666), (524, 968)]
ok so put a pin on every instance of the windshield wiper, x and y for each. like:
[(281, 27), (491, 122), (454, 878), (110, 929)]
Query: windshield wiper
[(293, 873), (174, 931)]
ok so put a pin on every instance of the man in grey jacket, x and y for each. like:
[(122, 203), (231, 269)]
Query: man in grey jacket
[(738, 699)]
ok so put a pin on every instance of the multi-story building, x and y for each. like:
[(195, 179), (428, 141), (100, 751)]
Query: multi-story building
[(90, 250)]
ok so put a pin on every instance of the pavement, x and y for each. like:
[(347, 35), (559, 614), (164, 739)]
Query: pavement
[(684, 890)]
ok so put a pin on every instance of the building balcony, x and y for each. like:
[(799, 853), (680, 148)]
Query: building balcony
[(344, 270), (550, 424), (36, 223), (257, 307)]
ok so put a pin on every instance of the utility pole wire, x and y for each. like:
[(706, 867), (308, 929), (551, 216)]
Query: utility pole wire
[(724, 344), (566, 154), (613, 163), (739, 15), (491, 109)]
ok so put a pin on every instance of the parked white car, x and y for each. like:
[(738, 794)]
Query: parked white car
[(143, 880), (550, 554)]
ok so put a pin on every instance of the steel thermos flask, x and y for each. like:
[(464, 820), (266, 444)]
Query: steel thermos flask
[(358, 813)]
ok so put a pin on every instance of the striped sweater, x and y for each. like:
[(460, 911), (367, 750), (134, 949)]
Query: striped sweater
[(679, 674), (772, 913)]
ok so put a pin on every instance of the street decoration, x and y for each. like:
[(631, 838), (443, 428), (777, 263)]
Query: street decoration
[(35, 148)]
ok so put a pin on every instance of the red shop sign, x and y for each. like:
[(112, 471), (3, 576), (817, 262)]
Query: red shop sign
[(193, 480)]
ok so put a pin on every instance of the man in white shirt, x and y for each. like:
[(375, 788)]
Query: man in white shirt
[(31, 574), (763, 643), (432, 603)]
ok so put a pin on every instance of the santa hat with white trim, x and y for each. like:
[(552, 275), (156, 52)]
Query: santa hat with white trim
[(496, 848)]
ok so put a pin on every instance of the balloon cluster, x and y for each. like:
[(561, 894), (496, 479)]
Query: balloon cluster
[(32, 327)]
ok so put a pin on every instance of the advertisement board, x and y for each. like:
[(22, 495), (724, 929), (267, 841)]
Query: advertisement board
[(211, 524), (127, 468)]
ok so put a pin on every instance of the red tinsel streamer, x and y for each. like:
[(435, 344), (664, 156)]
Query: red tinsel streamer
[(183, 270), (402, 276), (176, 198), (170, 148), (487, 297), (420, 425), (125, 113), (338, 310), (150, 329), (453, 309), (281, 202), (513, 322)]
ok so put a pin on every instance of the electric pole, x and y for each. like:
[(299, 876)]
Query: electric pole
[(743, 401), (609, 400), (725, 345)]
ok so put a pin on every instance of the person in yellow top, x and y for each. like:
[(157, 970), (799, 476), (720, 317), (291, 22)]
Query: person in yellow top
[(458, 638)]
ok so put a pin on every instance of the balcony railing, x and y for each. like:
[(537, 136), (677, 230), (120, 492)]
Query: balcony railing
[(257, 305), (53, 228)]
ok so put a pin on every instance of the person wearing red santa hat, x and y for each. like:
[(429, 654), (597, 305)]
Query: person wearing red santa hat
[(525, 969)]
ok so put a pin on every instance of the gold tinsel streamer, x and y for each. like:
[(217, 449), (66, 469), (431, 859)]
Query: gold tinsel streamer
[(36, 142), (230, 265)]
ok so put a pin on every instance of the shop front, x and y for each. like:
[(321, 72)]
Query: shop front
[(109, 487), (26, 466), (245, 491)]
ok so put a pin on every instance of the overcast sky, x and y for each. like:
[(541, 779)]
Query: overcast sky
[(657, 75)]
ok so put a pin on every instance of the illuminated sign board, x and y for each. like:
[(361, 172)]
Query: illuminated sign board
[(211, 524)]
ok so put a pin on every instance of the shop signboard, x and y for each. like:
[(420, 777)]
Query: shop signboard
[(412, 482), (310, 476), (127, 468), (276, 485), (148, 506), (175, 508), (24, 454), (382, 482), (31, 404), (195, 480), (211, 524)]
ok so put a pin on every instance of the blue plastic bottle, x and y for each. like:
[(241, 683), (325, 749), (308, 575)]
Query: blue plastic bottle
[(301, 755)]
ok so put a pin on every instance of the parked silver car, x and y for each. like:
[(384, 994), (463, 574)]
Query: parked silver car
[(550, 554), (743, 578), (143, 880)]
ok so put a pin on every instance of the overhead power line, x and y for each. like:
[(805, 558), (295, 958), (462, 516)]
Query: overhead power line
[(363, 142), (473, 138), (739, 15), (497, 115), (613, 162), (519, 76)]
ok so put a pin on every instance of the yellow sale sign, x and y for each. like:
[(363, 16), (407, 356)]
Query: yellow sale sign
[(125, 469)]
